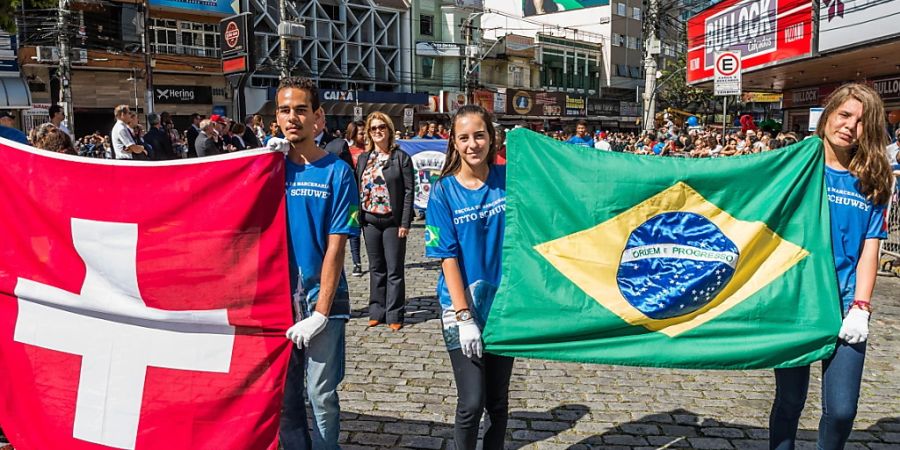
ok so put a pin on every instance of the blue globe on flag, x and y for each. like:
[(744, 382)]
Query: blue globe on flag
[(675, 263)]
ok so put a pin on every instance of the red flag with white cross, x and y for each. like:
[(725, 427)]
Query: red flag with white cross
[(142, 304)]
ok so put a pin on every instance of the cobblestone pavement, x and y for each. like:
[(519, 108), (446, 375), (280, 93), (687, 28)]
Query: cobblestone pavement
[(399, 390)]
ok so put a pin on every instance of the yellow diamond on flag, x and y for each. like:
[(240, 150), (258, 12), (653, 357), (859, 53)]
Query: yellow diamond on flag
[(672, 262)]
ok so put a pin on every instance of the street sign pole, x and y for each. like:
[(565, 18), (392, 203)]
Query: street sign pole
[(724, 115), (727, 80)]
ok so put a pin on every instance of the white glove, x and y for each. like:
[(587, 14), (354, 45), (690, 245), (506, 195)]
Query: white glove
[(303, 331), (470, 338), (278, 145), (855, 328)]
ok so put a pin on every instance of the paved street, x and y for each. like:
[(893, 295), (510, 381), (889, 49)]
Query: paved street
[(399, 389), (399, 392)]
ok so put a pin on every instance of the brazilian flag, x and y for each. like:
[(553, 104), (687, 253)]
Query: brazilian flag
[(716, 263)]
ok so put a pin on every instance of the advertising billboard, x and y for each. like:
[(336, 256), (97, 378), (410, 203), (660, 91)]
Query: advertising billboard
[(765, 32), (523, 102), (538, 7), (845, 23), (224, 7)]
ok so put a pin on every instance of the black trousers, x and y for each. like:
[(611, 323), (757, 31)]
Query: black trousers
[(481, 383), (354, 249), (387, 281)]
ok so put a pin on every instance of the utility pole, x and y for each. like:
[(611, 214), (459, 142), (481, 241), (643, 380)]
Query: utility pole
[(65, 64), (467, 29), (651, 49), (467, 72), (148, 61), (284, 53)]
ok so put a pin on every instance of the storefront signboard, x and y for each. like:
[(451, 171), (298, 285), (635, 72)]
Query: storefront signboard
[(764, 32), (847, 23), (225, 7), (182, 95)]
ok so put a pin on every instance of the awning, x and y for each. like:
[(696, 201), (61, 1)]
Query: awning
[(14, 93), (338, 109)]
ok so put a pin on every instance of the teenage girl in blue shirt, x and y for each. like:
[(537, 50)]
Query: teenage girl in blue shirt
[(858, 184), (464, 228)]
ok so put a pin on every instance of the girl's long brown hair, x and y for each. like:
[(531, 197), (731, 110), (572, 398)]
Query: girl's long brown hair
[(378, 115), (453, 161), (869, 163)]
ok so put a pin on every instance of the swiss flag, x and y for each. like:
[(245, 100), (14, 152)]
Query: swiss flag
[(142, 305)]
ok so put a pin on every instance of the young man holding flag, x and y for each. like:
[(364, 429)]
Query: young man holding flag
[(321, 198)]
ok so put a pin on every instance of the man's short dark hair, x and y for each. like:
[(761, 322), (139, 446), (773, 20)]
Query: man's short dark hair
[(54, 109), (195, 116), (304, 84)]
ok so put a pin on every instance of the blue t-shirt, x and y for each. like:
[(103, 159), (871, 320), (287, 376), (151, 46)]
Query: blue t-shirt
[(468, 225), (853, 220), (586, 141), (658, 148), (321, 199), (13, 135)]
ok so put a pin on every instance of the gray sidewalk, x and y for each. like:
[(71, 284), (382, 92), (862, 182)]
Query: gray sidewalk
[(399, 389)]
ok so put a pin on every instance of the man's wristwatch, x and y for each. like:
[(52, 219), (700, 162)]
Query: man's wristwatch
[(463, 315)]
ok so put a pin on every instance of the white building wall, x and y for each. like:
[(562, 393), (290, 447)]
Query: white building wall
[(587, 25)]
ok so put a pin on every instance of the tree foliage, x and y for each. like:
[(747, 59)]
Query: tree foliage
[(9, 9), (676, 92)]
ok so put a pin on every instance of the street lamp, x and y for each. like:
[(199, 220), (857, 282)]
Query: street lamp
[(133, 78)]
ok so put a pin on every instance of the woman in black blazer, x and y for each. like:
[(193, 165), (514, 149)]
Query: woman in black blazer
[(385, 176)]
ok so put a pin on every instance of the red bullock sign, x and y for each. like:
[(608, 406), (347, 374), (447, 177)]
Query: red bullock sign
[(765, 32)]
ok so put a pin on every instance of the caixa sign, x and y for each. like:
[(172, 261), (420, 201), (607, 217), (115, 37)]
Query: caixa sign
[(182, 95), (337, 96)]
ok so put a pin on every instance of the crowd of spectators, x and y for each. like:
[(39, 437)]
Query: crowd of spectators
[(693, 142)]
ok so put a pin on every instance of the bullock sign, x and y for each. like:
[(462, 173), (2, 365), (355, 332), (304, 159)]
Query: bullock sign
[(763, 32)]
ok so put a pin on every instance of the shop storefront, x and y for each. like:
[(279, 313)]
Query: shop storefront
[(97, 93), (340, 106), (799, 105), (889, 90)]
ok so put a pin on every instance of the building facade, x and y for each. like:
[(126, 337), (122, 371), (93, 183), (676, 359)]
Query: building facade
[(109, 66)]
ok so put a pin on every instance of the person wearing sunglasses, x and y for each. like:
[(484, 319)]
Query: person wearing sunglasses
[(385, 176)]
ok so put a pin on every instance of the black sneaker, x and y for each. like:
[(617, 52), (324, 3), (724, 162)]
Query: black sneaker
[(357, 270)]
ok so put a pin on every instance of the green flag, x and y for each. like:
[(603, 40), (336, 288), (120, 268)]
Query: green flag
[(716, 263)]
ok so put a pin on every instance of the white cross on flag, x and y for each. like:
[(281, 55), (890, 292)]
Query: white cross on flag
[(142, 305)]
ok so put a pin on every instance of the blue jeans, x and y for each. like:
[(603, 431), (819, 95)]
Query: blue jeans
[(322, 363), (841, 378)]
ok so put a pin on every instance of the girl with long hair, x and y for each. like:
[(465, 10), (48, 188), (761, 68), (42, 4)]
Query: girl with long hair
[(858, 183), (464, 228), (385, 177)]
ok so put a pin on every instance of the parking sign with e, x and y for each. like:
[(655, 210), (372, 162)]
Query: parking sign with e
[(727, 73)]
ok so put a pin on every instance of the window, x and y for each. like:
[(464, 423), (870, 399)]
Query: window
[(636, 13), (631, 42), (617, 40), (426, 25), (427, 67), (517, 76), (635, 71), (622, 70), (620, 9), (164, 36), (184, 38), (200, 39)]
